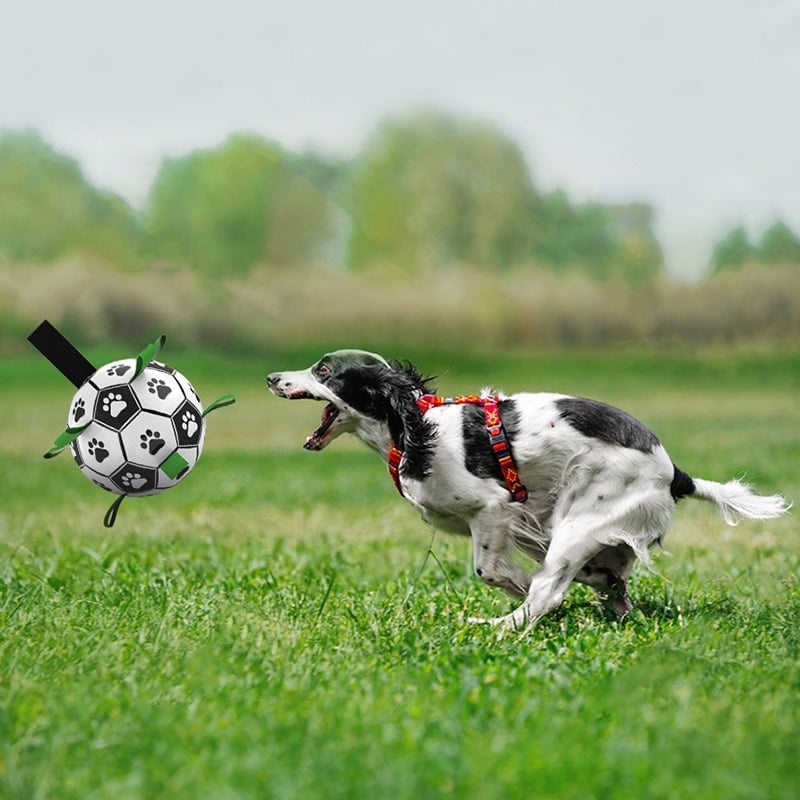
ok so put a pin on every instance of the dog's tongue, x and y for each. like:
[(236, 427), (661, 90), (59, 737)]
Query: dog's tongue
[(316, 440)]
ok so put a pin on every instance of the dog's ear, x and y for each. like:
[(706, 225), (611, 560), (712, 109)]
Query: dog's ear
[(402, 387), (387, 393), (365, 388)]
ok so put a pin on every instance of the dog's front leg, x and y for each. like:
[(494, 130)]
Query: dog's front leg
[(492, 543), (572, 545)]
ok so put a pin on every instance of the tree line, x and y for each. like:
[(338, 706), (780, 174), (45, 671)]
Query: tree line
[(428, 190), (778, 244)]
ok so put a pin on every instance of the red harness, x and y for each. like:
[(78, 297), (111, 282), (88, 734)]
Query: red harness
[(497, 439)]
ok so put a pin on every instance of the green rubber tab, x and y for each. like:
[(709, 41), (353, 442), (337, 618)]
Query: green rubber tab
[(174, 466), (111, 515), (64, 439), (147, 355), (220, 402)]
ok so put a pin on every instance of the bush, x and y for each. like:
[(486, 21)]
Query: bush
[(221, 211), (777, 245), (48, 210), (392, 309)]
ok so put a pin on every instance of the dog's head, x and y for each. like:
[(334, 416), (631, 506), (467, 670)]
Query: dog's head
[(364, 394)]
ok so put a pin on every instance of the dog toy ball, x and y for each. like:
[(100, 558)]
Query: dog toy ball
[(135, 426)]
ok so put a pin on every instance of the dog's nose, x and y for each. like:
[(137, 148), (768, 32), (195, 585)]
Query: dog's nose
[(272, 379)]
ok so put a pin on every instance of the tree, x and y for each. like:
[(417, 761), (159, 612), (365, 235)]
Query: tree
[(733, 250), (607, 241), (226, 209), (638, 256), (779, 245), (48, 209), (430, 190)]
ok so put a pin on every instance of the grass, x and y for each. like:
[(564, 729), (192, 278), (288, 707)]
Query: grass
[(276, 627)]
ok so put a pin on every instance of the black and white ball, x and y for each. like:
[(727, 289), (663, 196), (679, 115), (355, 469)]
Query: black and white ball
[(145, 433)]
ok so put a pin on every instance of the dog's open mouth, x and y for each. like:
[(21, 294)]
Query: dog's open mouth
[(318, 439)]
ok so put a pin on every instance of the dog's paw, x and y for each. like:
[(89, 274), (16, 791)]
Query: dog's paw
[(617, 604), (517, 620), (484, 620)]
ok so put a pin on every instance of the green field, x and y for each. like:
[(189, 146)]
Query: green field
[(276, 627)]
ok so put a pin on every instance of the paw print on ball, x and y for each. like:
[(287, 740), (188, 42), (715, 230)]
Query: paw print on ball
[(97, 449), (188, 424), (83, 405), (118, 370), (151, 441), (158, 391), (159, 387), (79, 410), (116, 406), (134, 480)]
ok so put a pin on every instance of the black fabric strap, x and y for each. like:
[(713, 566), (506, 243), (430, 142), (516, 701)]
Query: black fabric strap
[(61, 354)]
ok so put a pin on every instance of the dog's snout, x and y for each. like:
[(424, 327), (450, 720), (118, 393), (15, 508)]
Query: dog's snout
[(276, 384)]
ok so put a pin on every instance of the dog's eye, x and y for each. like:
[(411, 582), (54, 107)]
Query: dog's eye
[(324, 369)]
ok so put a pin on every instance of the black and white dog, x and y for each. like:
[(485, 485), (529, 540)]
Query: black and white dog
[(601, 487)]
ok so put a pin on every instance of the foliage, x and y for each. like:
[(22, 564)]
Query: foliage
[(224, 210), (273, 628), (379, 307), (431, 189), (777, 245), (733, 250), (323, 171), (611, 242), (48, 209)]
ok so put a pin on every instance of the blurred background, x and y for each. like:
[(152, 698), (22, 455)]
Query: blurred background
[(527, 175)]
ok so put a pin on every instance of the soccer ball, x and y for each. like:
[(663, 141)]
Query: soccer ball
[(134, 427), (145, 432)]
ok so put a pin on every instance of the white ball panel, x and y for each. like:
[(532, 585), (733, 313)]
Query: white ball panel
[(148, 439), (100, 449), (188, 390), (114, 373), (157, 390), (81, 409)]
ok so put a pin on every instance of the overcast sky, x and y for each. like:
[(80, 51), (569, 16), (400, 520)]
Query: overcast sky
[(693, 105)]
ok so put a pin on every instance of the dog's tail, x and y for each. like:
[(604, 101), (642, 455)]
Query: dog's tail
[(734, 498)]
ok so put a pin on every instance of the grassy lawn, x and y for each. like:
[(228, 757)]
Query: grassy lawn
[(277, 627)]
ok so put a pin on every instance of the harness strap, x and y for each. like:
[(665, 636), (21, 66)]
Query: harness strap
[(395, 456), (497, 440), (429, 401), (502, 451)]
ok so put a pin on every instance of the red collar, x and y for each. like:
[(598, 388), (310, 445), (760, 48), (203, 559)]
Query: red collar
[(497, 439)]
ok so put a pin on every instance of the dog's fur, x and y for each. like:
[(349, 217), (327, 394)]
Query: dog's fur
[(602, 487)]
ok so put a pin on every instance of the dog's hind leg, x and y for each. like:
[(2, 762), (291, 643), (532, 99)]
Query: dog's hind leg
[(492, 544), (607, 573)]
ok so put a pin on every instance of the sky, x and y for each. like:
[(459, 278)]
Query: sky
[(691, 105)]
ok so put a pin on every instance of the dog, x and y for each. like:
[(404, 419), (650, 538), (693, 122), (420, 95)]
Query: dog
[(580, 486)]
